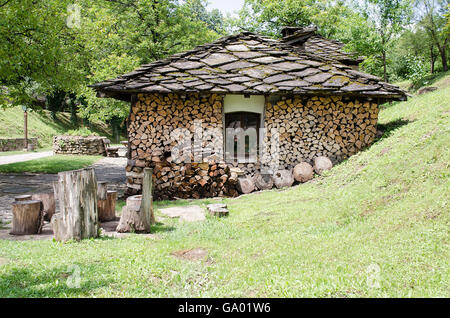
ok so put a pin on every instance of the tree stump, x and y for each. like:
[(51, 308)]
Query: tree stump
[(77, 196), (321, 164), (263, 181), (102, 200), (245, 185), (137, 215), (27, 217), (25, 197), (303, 172), (283, 178), (218, 209), (108, 212), (48, 204)]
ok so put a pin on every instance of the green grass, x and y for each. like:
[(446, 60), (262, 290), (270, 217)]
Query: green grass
[(40, 125), (53, 164), (440, 80), (386, 209)]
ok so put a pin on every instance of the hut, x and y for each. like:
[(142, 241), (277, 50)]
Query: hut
[(302, 95)]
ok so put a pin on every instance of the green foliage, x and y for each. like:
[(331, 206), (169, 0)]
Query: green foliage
[(59, 47), (37, 51), (83, 132)]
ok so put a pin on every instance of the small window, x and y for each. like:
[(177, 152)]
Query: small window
[(250, 124)]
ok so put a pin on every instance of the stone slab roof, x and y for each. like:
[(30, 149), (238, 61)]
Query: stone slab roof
[(311, 42), (248, 63)]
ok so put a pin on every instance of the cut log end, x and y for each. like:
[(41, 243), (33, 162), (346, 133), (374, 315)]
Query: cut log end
[(27, 217)]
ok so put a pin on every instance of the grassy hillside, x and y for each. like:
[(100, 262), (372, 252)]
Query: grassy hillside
[(375, 225), (40, 125)]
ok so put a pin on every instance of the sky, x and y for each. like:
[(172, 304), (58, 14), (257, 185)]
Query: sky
[(226, 6)]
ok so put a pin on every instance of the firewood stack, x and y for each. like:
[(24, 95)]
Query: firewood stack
[(320, 126), (186, 180), (308, 127)]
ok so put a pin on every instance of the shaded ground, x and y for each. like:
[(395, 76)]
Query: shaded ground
[(109, 230), (111, 170)]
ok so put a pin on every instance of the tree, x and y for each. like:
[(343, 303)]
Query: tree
[(435, 21), (388, 18), (37, 54)]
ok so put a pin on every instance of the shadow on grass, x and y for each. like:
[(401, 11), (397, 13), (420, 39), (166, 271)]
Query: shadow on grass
[(57, 282), (161, 228), (389, 128)]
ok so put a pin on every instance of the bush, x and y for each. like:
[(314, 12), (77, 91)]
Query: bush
[(83, 132)]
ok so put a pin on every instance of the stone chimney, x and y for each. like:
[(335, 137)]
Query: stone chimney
[(296, 35)]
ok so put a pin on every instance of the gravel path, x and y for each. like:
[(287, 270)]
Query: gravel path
[(111, 170), (25, 157)]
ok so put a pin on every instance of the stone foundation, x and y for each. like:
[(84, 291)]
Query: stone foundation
[(76, 145), (15, 144)]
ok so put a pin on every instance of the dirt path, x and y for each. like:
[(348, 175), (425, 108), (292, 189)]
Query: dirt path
[(25, 157), (111, 170)]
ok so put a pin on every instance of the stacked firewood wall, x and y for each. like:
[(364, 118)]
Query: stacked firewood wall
[(320, 126), (334, 127), (153, 121)]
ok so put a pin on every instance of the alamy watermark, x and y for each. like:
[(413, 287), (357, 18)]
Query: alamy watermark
[(73, 20), (247, 145), (373, 276)]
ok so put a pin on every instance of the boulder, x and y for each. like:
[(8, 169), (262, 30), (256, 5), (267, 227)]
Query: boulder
[(321, 164), (303, 172)]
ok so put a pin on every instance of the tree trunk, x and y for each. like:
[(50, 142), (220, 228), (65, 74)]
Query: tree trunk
[(443, 52), (137, 215), (27, 217), (384, 67), (432, 59), (48, 204), (77, 196)]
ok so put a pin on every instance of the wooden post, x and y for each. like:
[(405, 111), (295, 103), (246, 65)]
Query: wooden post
[(25, 118), (77, 196), (147, 194), (48, 204), (137, 215), (27, 217)]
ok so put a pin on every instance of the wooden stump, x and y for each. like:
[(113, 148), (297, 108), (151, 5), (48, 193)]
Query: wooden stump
[(263, 181), (108, 211), (48, 204), (137, 215), (245, 185), (283, 178), (102, 199), (25, 197), (218, 209), (321, 164), (27, 217), (303, 172), (77, 196)]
